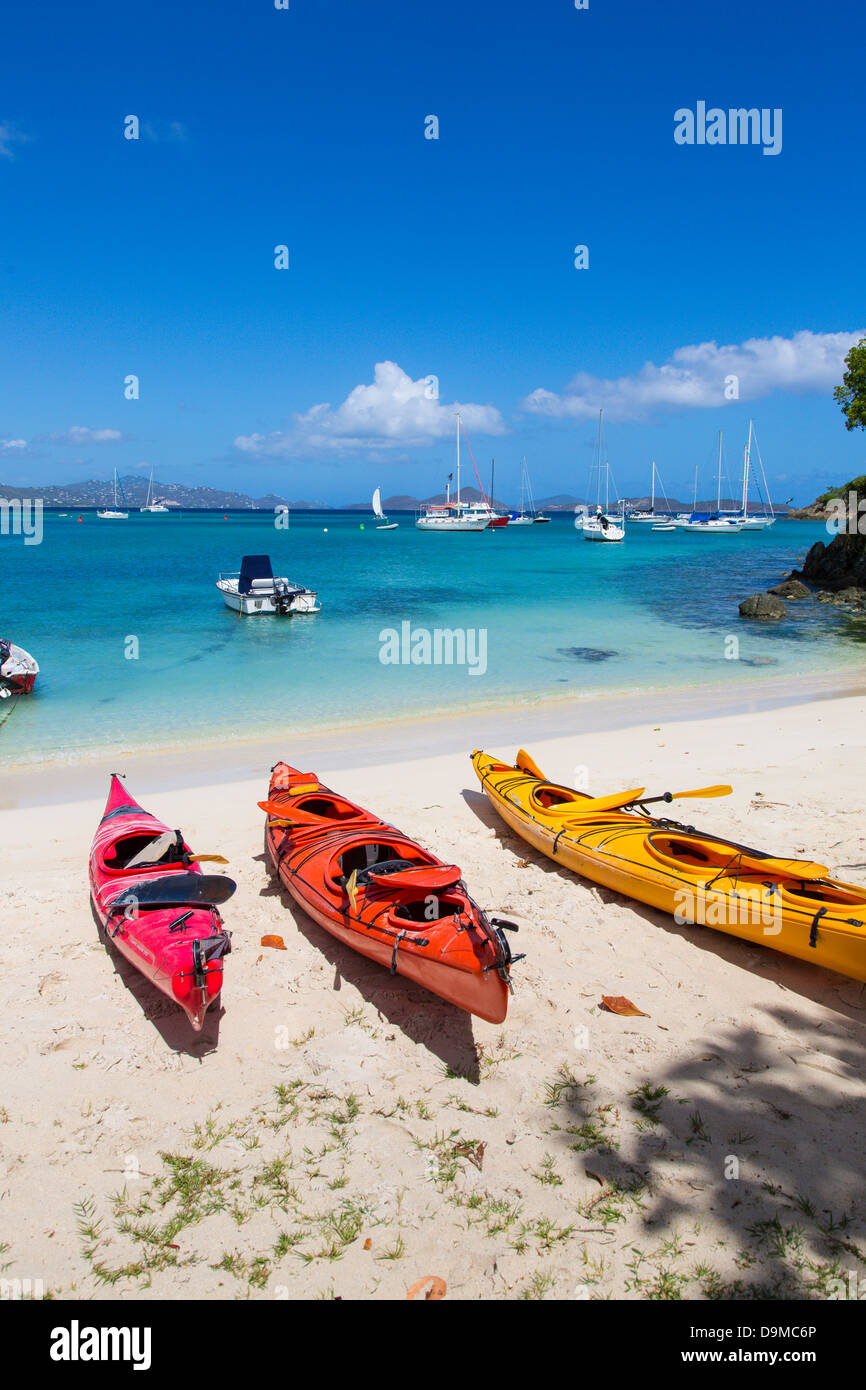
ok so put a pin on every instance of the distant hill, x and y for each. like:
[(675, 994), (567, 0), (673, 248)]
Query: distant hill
[(99, 492), (674, 504), (403, 502)]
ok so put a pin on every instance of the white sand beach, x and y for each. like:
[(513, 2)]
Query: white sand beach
[(335, 1131)]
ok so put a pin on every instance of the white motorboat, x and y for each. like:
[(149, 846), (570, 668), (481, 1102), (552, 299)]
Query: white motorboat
[(18, 670), (379, 515), (112, 513), (600, 526), (153, 504), (255, 589), (456, 515)]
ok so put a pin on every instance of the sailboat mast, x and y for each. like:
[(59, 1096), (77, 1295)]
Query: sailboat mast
[(598, 464), (719, 484), (458, 458), (653, 499), (747, 459)]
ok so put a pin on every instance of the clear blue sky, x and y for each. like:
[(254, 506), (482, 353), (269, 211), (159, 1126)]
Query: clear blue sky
[(451, 257)]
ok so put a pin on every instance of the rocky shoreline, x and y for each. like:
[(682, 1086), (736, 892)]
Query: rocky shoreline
[(834, 574)]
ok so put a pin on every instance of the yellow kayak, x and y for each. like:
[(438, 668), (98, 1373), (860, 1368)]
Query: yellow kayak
[(791, 905)]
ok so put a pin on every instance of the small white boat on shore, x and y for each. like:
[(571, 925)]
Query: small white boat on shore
[(255, 589)]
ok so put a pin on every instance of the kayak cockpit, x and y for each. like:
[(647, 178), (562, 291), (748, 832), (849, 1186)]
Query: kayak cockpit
[(548, 795), (143, 850)]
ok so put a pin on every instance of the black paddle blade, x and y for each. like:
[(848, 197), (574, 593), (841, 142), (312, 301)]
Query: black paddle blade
[(177, 890)]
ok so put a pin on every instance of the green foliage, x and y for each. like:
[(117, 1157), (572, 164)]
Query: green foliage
[(851, 395), (857, 485)]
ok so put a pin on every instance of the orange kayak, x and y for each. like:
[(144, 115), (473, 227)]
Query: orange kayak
[(373, 888)]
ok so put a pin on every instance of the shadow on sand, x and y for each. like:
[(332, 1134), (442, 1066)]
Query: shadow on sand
[(424, 1018), (168, 1018)]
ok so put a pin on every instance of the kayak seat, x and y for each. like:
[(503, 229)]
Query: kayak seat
[(428, 878)]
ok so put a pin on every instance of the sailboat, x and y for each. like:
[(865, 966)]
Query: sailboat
[(717, 523), (601, 526), (768, 517), (153, 504), (456, 515), (379, 515), (523, 517), (112, 513), (652, 517)]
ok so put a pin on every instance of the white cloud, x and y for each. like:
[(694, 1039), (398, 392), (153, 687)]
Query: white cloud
[(9, 136), (80, 434), (9, 446), (172, 131), (392, 412), (694, 377)]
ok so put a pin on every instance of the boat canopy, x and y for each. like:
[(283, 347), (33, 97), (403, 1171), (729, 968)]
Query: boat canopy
[(254, 567)]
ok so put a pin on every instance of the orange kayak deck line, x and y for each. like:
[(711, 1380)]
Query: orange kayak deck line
[(381, 893), (791, 905)]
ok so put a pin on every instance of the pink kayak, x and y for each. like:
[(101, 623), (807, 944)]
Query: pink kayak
[(156, 906)]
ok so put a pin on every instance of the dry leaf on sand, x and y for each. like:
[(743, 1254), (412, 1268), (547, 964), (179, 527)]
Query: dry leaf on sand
[(428, 1288), (618, 1004)]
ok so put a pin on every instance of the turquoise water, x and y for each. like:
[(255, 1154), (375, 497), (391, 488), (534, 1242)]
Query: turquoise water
[(654, 612)]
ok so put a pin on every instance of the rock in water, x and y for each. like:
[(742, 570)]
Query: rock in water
[(793, 589), (585, 653), (762, 608)]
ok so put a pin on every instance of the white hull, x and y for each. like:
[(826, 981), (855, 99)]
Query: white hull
[(452, 523), (520, 521), (712, 528), (155, 507), (262, 602), (113, 516), (594, 532), (389, 526)]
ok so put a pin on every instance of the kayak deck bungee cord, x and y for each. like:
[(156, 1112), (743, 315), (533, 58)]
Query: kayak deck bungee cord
[(791, 905), (373, 888), (156, 906)]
